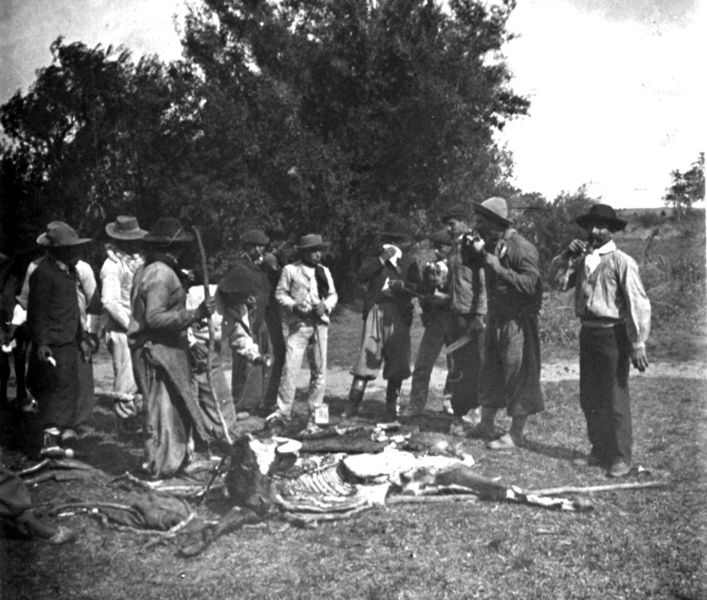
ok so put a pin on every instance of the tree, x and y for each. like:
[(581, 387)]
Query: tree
[(550, 225), (686, 188), (95, 135), (335, 116), (344, 114)]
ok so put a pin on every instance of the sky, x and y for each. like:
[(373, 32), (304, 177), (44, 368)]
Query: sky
[(617, 87)]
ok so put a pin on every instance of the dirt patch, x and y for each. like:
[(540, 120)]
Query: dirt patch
[(339, 378)]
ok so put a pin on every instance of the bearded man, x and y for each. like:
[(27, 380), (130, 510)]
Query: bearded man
[(615, 314), (510, 375)]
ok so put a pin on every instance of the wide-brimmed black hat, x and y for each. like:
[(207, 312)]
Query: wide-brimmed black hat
[(60, 235), (255, 236), (495, 208), (241, 280), (601, 213), (311, 241), (125, 227), (168, 230)]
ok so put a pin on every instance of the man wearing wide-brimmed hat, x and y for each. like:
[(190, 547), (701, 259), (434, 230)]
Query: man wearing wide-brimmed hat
[(615, 314), (510, 375), (60, 371), (435, 303), (467, 314), (157, 336), (250, 381), (123, 259), (307, 296), (86, 295), (391, 278), (238, 293)]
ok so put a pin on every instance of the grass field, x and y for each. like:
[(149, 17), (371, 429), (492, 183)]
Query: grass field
[(634, 544)]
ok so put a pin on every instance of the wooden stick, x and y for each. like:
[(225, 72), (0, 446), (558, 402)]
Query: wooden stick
[(430, 499), (609, 487), (207, 295)]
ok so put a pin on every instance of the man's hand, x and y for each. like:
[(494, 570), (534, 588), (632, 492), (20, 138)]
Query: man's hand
[(476, 324), (439, 298), (639, 359), (491, 260), (199, 352), (86, 350), (7, 334), (320, 309), (45, 355), (264, 360), (396, 284), (206, 308), (576, 248), (301, 310), (94, 341)]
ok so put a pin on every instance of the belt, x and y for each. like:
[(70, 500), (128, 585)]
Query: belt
[(601, 323)]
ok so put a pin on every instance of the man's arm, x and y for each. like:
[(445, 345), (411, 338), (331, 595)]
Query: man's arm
[(157, 292), (564, 267), (282, 291), (638, 325), (332, 298), (479, 302), (562, 273), (111, 294), (523, 274)]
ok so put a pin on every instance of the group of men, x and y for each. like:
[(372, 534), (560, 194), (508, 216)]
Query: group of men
[(480, 297), (159, 330), (486, 308)]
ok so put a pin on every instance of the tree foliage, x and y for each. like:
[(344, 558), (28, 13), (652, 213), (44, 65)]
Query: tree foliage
[(334, 116), (95, 136), (550, 225), (686, 188)]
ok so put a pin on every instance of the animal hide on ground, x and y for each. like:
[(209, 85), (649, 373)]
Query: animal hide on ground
[(266, 478)]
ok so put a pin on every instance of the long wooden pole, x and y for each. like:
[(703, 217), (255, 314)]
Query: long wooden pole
[(212, 337), (609, 487)]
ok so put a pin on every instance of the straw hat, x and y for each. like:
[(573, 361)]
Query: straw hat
[(494, 208), (125, 228), (311, 241), (60, 235)]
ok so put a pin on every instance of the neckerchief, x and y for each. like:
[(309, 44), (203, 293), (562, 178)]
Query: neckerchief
[(592, 260)]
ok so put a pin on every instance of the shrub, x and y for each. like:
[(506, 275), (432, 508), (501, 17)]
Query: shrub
[(677, 290)]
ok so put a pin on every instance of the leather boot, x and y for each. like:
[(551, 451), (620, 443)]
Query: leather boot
[(512, 439), (485, 429), (392, 396), (358, 387)]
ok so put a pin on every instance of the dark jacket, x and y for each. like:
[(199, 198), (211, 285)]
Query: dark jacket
[(265, 290), (515, 289), (467, 284), (53, 313), (374, 273), (158, 307)]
